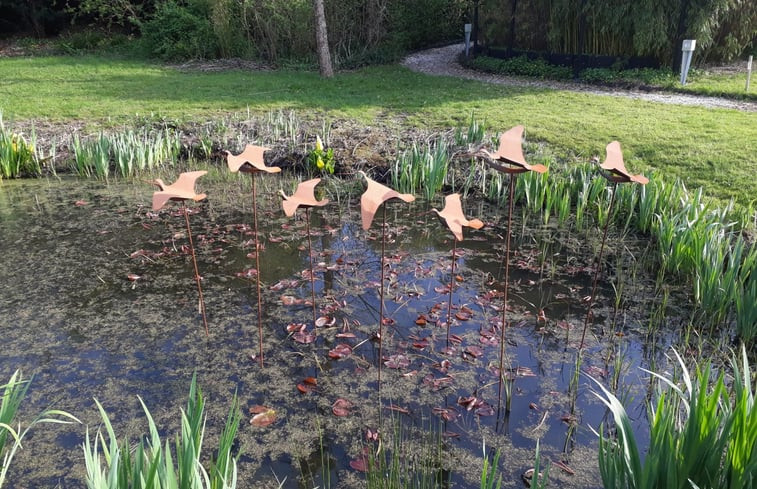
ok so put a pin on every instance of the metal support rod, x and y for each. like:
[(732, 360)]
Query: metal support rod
[(197, 272), (257, 267), (598, 268), (505, 290), (312, 274), (451, 286), (381, 302)]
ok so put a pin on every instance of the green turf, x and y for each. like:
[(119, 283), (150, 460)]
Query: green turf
[(714, 148)]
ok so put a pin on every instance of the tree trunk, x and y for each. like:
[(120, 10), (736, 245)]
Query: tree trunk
[(511, 43), (322, 40)]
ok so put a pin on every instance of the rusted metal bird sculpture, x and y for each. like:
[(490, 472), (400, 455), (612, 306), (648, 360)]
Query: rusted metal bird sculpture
[(453, 217), (615, 172), (614, 164), (509, 156), (304, 196), (181, 190), (251, 161), (509, 159), (376, 194)]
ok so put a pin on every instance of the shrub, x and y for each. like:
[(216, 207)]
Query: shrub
[(180, 30), (522, 66)]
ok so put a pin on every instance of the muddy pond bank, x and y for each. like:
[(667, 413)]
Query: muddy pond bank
[(75, 315)]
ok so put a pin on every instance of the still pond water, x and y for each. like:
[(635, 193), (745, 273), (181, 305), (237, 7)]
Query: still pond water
[(72, 314)]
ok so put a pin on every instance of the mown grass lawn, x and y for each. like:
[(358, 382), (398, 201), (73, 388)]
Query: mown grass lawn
[(713, 148)]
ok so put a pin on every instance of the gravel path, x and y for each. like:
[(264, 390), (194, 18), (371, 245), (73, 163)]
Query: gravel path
[(443, 62)]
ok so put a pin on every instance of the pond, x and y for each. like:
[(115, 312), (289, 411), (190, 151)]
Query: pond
[(99, 302)]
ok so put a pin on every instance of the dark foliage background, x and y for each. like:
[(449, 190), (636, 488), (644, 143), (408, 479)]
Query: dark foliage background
[(375, 31)]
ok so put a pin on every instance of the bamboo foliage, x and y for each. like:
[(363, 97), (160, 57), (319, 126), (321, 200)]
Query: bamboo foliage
[(723, 28)]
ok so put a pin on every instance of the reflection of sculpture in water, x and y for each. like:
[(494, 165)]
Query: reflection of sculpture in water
[(181, 190), (509, 159), (376, 194), (304, 196), (251, 161), (453, 217)]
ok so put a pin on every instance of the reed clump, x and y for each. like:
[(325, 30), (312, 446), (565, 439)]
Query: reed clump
[(151, 463), (700, 436), (12, 432), (18, 156)]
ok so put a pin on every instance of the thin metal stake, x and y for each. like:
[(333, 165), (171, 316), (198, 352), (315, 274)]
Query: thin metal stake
[(504, 292), (598, 269), (381, 305), (197, 273), (312, 274), (257, 267), (451, 286)]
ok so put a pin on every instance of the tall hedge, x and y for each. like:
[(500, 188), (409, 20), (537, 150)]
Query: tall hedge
[(724, 29)]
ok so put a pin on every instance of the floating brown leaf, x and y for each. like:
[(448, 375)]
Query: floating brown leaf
[(341, 350), (397, 361), (304, 337), (341, 407), (264, 418), (325, 321)]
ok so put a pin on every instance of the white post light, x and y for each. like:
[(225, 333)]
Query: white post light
[(748, 72), (688, 50), (468, 28)]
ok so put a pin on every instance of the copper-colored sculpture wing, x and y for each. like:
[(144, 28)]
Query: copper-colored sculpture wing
[(250, 160), (303, 196), (454, 218), (375, 195), (510, 151), (615, 165), (186, 181), (181, 189), (159, 199)]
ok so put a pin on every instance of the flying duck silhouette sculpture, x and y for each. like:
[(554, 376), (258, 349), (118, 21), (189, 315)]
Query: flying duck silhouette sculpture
[(616, 167), (252, 162), (376, 194), (509, 156), (509, 159), (453, 217), (181, 190), (613, 169), (304, 196)]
